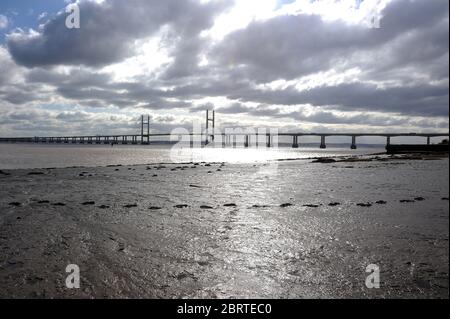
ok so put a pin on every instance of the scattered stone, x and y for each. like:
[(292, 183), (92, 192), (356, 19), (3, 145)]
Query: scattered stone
[(364, 204), (43, 202), (103, 206), (218, 170), (311, 205), (88, 203), (35, 173), (260, 206), (59, 204), (209, 172), (206, 207), (381, 202), (207, 165), (334, 204), (15, 204), (230, 205), (155, 175), (285, 205), (130, 205), (181, 206), (324, 160), (154, 208), (407, 201)]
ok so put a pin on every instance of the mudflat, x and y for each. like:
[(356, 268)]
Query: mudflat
[(292, 229)]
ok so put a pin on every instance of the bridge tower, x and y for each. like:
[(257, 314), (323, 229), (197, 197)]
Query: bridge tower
[(145, 136), (213, 125)]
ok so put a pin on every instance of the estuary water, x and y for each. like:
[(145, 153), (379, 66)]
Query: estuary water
[(24, 156)]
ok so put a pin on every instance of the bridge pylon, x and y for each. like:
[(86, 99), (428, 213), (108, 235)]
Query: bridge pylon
[(145, 133)]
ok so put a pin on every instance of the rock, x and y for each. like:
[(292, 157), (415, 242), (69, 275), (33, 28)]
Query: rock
[(103, 206), (334, 204), (181, 206), (324, 160), (206, 207), (285, 205), (407, 201), (444, 198), (15, 204), (194, 186), (43, 202), (117, 169), (381, 202), (155, 175), (230, 205), (311, 205), (59, 204), (154, 208), (419, 199), (35, 173), (88, 203), (260, 206), (4, 173), (130, 205), (364, 204)]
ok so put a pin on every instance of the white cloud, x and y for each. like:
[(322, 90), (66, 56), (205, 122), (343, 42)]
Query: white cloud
[(4, 22)]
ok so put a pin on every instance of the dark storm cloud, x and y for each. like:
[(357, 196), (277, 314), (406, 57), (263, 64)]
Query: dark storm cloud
[(108, 30)]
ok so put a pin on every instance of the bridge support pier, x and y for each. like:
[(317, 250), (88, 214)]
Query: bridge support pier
[(295, 141), (269, 141), (323, 144), (388, 141), (247, 141), (224, 141), (353, 146), (428, 140)]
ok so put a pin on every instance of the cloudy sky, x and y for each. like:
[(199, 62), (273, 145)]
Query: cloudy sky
[(299, 65)]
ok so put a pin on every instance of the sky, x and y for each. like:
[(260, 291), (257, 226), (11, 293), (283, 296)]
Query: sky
[(296, 65)]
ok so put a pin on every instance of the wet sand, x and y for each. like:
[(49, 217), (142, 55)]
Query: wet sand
[(292, 229)]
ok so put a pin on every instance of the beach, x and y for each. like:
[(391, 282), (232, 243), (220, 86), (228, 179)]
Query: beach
[(276, 229)]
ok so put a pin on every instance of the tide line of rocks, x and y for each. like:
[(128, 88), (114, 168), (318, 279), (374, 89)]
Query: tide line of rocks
[(232, 205)]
